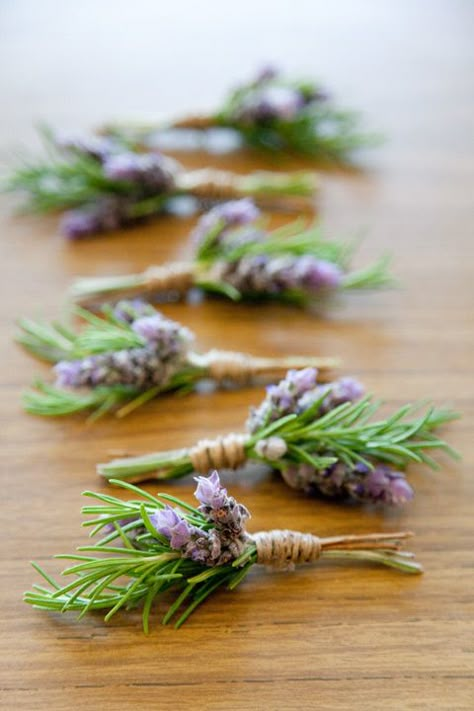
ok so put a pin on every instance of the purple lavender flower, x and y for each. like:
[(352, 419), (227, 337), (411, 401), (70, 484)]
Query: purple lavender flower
[(262, 274), (338, 392), (95, 147), (168, 337), (282, 399), (266, 73), (105, 215), (166, 346), (360, 483), (129, 310), (210, 492), (173, 526), (151, 172), (220, 218), (268, 102)]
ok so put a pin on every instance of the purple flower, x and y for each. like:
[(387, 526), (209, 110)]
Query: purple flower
[(210, 492), (128, 311), (220, 218), (262, 274), (360, 483), (282, 399), (266, 73), (169, 337), (338, 392), (316, 274), (152, 172), (105, 215), (173, 526), (95, 147)]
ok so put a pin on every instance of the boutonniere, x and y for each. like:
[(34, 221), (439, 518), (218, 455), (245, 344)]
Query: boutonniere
[(159, 544)]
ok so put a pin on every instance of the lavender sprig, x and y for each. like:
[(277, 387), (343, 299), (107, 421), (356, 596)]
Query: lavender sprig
[(322, 439), (104, 186), (129, 356), (234, 255), (271, 113), (159, 544)]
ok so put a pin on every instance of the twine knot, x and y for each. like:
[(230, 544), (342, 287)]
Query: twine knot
[(176, 276), (283, 550), (226, 452), (225, 365)]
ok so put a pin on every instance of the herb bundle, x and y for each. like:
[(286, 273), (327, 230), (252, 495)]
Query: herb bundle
[(104, 186), (322, 439), (271, 113), (235, 256), (129, 356), (149, 548)]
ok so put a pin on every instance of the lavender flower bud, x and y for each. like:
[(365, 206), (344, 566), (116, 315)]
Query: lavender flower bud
[(152, 172), (269, 102), (282, 399), (338, 392), (378, 485), (166, 346), (96, 147), (273, 448), (105, 215), (128, 311), (209, 491), (234, 213), (173, 526), (265, 74), (262, 274), (169, 338)]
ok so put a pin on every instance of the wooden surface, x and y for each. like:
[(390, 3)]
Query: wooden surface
[(330, 637)]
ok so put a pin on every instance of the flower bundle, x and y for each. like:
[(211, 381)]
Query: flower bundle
[(321, 438), (149, 548), (272, 113), (129, 356), (104, 186), (234, 255)]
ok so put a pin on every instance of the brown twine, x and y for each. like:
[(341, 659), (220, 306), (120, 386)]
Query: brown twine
[(195, 121), (226, 452), (232, 365), (211, 184), (282, 549), (176, 276)]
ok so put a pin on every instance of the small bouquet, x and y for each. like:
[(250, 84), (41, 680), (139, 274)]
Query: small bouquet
[(320, 438), (105, 187), (235, 256), (271, 113), (150, 548), (130, 356)]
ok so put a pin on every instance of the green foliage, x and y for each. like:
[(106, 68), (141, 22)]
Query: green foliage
[(134, 551)]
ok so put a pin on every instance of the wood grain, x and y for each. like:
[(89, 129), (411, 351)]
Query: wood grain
[(327, 638)]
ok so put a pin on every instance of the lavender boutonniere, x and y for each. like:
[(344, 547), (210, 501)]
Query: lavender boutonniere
[(322, 439), (149, 547), (131, 355), (104, 186), (234, 255), (270, 112)]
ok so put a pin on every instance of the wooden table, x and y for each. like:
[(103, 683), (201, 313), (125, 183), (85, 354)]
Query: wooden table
[(328, 638)]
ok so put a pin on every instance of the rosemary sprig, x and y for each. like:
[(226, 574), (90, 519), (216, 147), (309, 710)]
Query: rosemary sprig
[(128, 356), (147, 548), (108, 187), (237, 257), (273, 114)]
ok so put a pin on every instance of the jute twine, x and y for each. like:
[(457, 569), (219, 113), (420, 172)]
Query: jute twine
[(226, 452), (211, 184), (282, 549), (176, 276)]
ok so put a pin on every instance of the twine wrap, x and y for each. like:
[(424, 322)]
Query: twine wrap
[(211, 184), (176, 276), (283, 549), (226, 452)]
